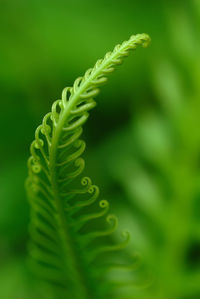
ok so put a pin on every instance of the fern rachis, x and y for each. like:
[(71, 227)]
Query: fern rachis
[(61, 250)]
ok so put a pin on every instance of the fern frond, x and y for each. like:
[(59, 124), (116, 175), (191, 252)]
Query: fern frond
[(63, 251)]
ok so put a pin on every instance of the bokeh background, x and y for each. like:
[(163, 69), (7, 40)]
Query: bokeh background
[(143, 139)]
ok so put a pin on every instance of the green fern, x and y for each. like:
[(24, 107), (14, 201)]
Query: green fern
[(64, 248)]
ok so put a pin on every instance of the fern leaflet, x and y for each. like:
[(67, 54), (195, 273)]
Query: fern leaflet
[(65, 253)]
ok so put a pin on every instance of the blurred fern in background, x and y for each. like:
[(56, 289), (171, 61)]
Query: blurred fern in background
[(152, 176)]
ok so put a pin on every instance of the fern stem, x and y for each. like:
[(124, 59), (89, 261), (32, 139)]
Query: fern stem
[(106, 63)]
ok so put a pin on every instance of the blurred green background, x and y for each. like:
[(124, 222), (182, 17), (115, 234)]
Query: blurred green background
[(143, 139)]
